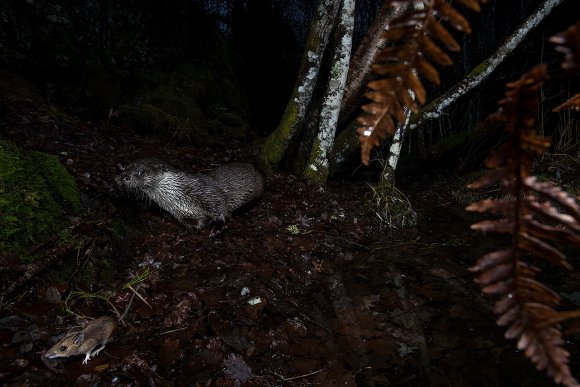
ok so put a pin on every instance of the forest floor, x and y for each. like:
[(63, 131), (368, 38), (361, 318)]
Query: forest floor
[(303, 288)]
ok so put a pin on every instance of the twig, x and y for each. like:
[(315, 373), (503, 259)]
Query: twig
[(138, 295), (127, 308), (303, 376), (174, 330)]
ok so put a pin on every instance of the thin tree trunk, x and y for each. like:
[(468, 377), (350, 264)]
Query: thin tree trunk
[(317, 166), (388, 175), (276, 144), (359, 72)]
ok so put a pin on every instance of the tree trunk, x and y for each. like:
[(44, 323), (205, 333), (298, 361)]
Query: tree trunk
[(388, 175), (293, 119), (359, 72), (317, 166)]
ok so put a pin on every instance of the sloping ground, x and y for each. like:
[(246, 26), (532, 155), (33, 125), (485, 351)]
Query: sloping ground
[(299, 290)]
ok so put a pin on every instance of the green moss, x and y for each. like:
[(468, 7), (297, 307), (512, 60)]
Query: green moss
[(231, 119), (453, 144), (345, 145), (177, 103), (102, 257), (236, 126), (147, 118), (119, 229), (320, 174), (479, 69), (275, 145), (59, 181), (36, 197), (194, 102)]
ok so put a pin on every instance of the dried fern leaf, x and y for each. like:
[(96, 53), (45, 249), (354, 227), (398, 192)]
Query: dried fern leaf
[(439, 33), (446, 12), (520, 94), (494, 206), (496, 176), (548, 211), (498, 288), (571, 104), (529, 290), (496, 274), (555, 194), (502, 226), (436, 54), (427, 71), (504, 305), (414, 84), (526, 307), (491, 259), (568, 43), (560, 317), (473, 5), (542, 250), (556, 234), (408, 53)]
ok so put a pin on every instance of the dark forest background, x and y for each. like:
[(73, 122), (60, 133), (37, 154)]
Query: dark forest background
[(104, 60), (346, 284)]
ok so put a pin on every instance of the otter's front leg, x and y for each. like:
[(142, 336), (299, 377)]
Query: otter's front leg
[(219, 226)]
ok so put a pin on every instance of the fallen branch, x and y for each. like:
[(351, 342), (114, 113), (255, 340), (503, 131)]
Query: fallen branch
[(434, 110)]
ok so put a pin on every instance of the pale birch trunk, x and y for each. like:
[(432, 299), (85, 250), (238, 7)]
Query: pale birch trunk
[(317, 166), (277, 143), (388, 175)]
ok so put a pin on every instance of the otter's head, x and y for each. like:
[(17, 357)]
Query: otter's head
[(142, 175)]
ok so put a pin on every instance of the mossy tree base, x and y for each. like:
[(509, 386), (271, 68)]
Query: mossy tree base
[(37, 195)]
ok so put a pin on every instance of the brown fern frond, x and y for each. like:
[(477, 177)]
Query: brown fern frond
[(473, 5), (568, 43), (571, 104), (526, 307), (409, 52)]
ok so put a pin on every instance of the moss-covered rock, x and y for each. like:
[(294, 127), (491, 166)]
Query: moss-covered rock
[(197, 102), (37, 194)]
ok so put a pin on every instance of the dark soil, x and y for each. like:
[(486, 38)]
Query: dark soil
[(302, 288)]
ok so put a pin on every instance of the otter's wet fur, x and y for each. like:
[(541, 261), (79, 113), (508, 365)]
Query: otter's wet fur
[(205, 198)]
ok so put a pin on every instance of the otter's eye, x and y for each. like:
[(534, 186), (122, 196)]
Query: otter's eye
[(62, 348)]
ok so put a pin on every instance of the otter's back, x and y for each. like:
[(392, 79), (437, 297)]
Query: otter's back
[(241, 183)]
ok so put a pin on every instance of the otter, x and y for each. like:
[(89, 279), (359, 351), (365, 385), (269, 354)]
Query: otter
[(207, 198)]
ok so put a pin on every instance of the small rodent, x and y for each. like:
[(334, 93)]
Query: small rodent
[(205, 198), (89, 341)]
